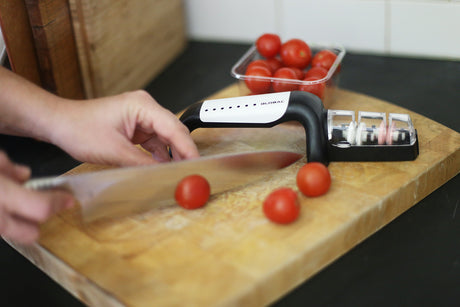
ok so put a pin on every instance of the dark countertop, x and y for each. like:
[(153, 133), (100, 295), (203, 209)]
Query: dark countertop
[(413, 261)]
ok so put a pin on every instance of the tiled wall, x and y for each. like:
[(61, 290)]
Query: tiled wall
[(420, 28)]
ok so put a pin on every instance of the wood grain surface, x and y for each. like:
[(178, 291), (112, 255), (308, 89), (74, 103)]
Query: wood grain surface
[(123, 44), (20, 45), (55, 47), (228, 253)]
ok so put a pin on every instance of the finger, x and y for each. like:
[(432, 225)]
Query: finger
[(20, 230), (21, 173), (175, 155), (183, 146), (12, 170), (172, 132), (134, 156), (41, 205), (35, 206), (124, 153), (158, 149)]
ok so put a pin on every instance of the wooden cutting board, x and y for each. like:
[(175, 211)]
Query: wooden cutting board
[(227, 253)]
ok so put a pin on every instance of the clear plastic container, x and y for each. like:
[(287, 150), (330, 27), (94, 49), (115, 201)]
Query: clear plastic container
[(330, 81)]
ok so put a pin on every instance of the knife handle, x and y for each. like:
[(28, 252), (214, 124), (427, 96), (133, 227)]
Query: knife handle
[(266, 110)]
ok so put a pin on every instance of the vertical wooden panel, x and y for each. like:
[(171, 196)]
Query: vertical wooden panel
[(19, 41), (55, 46)]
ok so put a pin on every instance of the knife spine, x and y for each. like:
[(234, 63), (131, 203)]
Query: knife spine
[(45, 183)]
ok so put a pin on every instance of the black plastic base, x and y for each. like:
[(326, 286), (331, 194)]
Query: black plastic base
[(374, 152)]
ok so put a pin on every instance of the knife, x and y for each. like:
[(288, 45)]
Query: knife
[(129, 190)]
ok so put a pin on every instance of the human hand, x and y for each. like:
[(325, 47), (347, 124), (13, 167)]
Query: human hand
[(22, 210), (100, 131), (104, 131)]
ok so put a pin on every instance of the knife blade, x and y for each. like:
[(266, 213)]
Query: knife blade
[(129, 190)]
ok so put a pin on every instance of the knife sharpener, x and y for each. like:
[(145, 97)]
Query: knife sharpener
[(331, 135)]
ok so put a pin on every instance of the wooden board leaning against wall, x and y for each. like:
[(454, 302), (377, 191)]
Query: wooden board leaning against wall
[(123, 44)]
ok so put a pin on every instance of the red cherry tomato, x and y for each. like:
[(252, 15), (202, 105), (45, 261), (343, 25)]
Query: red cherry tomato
[(325, 58), (298, 72), (274, 64), (268, 45), (316, 71), (295, 53), (313, 179), (285, 86), (281, 206), (255, 83), (257, 63), (192, 192), (316, 88)]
